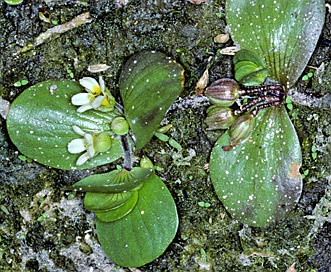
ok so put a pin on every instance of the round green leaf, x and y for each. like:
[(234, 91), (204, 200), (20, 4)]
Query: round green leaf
[(259, 181), (146, 232), (119, 212), (149, 83), (282, 32), (116, 181), (40, 122)]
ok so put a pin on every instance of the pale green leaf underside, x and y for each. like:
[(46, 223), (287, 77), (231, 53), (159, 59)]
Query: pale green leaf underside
[(146, 232), (119, 212), (97, 202), (259, 181), (149, 83), (249, 68), (283, 32), (116, 181), (40, 124), (114, 194)]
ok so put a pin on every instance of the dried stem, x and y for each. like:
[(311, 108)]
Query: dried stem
[(77, 21)]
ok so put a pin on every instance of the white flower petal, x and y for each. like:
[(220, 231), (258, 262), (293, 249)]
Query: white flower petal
[(81, 99), (82, 159), (78, 130), (84, 108), (88, 139), (96, 103), (90, 151), (89, 83), (102, 84), (76, 146)]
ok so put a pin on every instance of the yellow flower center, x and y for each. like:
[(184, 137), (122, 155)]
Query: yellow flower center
[(96, 90), (105, 102)]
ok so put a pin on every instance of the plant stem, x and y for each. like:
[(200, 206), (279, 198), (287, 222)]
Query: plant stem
[(120, 108), (127, 154)]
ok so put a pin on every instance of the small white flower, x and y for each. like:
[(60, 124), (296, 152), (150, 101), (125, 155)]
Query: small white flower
[(92, 144), (77, 146), (97, 96)]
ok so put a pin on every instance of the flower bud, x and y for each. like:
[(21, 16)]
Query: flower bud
[(102, 142), (223, 92), (120, 126), (219, 118), (240, 131)]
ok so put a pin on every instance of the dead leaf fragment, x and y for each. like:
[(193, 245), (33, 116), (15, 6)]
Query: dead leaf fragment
[(294, 171), (98, 68), (202, 82), (231, 50), (291, 268)]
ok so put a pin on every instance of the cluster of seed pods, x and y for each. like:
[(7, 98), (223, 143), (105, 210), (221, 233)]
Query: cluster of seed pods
[(240, 119)]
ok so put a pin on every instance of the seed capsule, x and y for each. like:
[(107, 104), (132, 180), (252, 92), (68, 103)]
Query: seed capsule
[(102, 142), (120, 126), (223, 92), (219, 118), (240, 131)]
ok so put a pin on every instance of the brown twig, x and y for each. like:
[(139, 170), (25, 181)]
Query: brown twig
[(56, 30)]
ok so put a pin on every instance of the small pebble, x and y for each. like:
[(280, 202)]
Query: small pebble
[(197, 2), (4, 107), (222, 38)]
